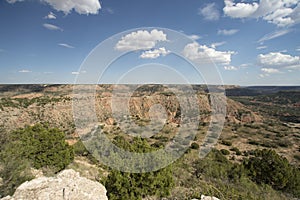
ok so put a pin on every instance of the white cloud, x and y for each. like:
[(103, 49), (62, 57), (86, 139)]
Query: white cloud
[(75, 73), (14, 1), (52, 27), (210, 12), (280, 12), (278, 60), (66, 6), (80, 6), (194, 37), (274, 35), (204, 54), (217, 44), (228, 32), (239, 10), (50, 15), (270, 70), (261, 47), (230, 68), (245, 65), (140, 40), (151, 54), (66, 45), (24, 71), (280, 17)]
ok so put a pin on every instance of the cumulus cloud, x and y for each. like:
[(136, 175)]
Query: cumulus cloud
[(228, 32), (270, 70), (66, 45), (274, 35), (51, 15), (80, 6), (24, 71), (152, 54), (280, 12), (140, 40), (205, 54), (52, 27), (230, 68), (278, 60), (210, 12), (239, 10), (66, 6)]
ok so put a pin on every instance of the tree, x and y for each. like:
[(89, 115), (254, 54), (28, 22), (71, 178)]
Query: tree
[(267, 167), (124, 185), (44, 146)]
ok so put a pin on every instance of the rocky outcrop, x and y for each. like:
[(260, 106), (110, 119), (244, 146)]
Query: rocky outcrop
[(203, 197), (66, 185)]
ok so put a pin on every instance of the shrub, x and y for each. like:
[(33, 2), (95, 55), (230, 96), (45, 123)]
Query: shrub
[(124, 185), (80, 149), (236, 150), (269, 168), (225, 152), (43, 146), (227, 143), (253, 142), (194, 145), (37, 146)]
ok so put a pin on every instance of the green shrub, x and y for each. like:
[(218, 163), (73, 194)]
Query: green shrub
[(124, 185), (269, 168), (33, 146), (236, 150), (225, 152), (43, 146), (227, 143), (194, 145), (253, 142), (79, 149)]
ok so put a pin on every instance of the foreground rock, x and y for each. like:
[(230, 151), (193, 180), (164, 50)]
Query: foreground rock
[(203, 197), (67, 185)]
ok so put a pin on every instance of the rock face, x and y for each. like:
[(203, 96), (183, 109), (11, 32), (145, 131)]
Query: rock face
[(68, 185)]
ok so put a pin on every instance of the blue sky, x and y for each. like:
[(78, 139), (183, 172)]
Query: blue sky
[(250, 42)]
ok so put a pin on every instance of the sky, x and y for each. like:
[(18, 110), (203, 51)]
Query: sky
[(246, 42)]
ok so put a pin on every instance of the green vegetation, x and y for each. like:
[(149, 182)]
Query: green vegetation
[(124, 185), (227, 143), (235, 171), (276, 105), (33, 146), (194, 145), (26, 102), (236, 150), (225, 152), (260, 177), (267, 167)]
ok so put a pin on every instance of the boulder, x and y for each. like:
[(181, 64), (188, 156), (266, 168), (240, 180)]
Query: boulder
[(66, 185)]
